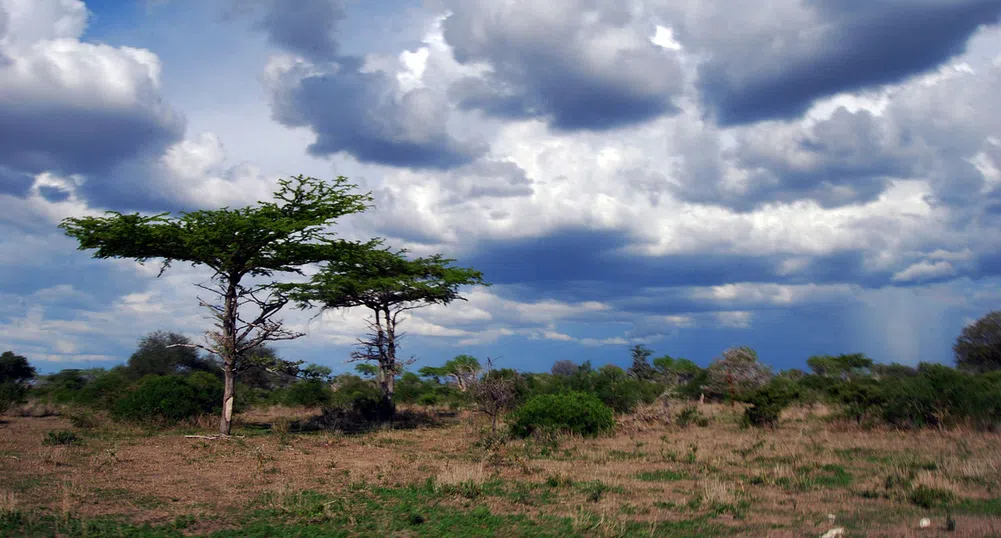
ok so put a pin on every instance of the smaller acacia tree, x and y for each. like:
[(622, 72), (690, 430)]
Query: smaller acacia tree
[(389, 285), (978, 347)]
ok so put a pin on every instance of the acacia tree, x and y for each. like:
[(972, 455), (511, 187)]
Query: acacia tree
[(256, 242), (389, 285)]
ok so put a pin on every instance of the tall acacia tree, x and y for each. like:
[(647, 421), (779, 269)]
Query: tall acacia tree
[(389, 285), (256, 241)]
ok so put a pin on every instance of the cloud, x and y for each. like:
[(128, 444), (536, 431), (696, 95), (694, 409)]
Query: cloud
[(307, 30), (576, 64), (373, 108), (72, 107), (776, 62), (924, 271)]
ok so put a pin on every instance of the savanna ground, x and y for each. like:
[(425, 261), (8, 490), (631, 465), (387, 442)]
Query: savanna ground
[(649, 479)]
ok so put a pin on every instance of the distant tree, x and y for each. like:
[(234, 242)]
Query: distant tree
[(564, 368), (15, 368), (736, 372), (165, 353), (641, 368), (257, 372), (675, 371), (318, 372), (389, 285), (494, 392), (15, 373), (842, 366), (258, 241), (978, 347), (367, 370), (893, 370), (463, 369), (436, 373)]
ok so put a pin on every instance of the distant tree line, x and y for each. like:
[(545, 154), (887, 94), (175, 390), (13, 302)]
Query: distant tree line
[(166, 380)]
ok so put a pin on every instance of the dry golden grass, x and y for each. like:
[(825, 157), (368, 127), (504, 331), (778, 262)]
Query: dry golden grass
[(782, 482)]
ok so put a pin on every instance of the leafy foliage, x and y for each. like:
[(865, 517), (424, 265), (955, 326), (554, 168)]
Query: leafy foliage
[(978, 347), (767, 402), (567, 412), (165, 353), (167, 399), (736, 372), (15, 372), (841, 366), (641, 368)]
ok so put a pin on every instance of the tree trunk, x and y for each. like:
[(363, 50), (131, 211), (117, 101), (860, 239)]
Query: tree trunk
[(388, 388), (226, 422), (388, 364), (229, 356)]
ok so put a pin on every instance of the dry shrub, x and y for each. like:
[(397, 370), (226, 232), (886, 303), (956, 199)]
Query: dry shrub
[(937, 481), (645, 418), (716, 492), (8, 502), (461, 473)]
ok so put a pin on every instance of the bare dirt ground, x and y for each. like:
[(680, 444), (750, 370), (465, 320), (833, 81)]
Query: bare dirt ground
[(745, 482)]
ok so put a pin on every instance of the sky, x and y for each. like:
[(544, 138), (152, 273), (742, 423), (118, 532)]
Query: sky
[(801, 177)]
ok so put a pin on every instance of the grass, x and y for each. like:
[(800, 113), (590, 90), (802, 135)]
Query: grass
[(658, 480)]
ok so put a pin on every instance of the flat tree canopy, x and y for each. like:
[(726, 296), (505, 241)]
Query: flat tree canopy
[(261, 240), (388, 284)]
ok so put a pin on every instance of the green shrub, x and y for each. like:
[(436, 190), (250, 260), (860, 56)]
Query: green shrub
[(165, 399), (768, 402), (927, 497), (356, 394), (859, 399), (11, 394), (568, 412), (308, 393), (60, 437), (611, 384), (691, 415), (84, 420)]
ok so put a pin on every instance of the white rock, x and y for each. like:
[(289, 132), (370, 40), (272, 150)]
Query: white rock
[(836, 532), (924, 523)]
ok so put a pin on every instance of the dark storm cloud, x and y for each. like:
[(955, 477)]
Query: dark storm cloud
[(776, 66), (357, 113), (305, 27), (68, 139), (577, 64)]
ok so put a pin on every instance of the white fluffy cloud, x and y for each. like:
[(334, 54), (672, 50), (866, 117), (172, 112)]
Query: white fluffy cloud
[(73, 107)]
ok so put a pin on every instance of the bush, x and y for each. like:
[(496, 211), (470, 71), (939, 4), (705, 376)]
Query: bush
[(164, 399), (611, 384), (60, 437), (569, 412), (308, 393), (11, 394), (768, 402), (356, 394), (691, 415), (927, 497)]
